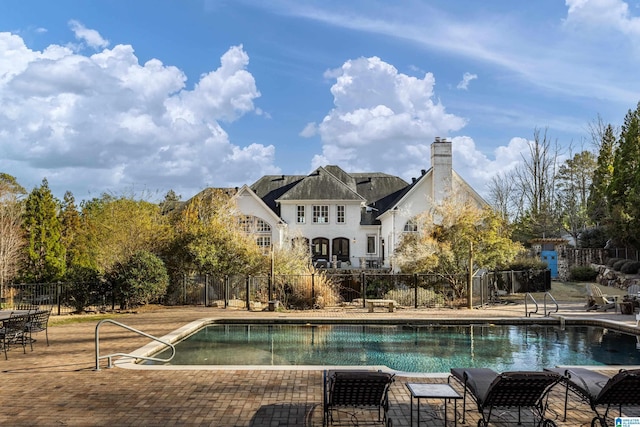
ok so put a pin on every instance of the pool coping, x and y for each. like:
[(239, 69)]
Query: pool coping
[(131, 361)]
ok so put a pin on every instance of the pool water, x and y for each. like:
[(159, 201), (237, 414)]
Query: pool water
[(407, 348)]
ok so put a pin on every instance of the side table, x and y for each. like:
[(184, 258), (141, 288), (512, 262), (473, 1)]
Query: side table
[(433, 391)]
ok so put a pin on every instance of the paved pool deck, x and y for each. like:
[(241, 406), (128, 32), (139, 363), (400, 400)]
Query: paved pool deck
[(58, 385)]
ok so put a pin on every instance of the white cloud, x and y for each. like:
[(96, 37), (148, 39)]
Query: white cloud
[(466, 79), (98, 123), (383, 120), (612, 14), (91, 37), (311, 129), (477, 168)]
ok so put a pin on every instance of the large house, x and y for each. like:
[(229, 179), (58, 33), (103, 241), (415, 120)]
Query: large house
[(348, 219)]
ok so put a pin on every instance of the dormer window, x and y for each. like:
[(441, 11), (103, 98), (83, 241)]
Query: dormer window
[(320, 214)]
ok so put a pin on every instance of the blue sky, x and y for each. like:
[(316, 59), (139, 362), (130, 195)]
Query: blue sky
[(150, 95)]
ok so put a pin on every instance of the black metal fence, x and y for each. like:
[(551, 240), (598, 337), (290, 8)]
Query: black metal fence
[(304, 292)]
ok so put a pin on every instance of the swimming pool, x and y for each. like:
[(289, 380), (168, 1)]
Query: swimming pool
[(406, 348)]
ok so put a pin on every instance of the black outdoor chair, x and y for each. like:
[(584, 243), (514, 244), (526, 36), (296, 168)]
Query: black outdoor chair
[(356, 389), (599, 390), (38, 322), (12, 332), (517, 389)]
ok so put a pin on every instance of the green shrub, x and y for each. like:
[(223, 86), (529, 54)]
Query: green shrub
[(142, 279), (583, 274), (618, 264), (630, 267), (612, 261)]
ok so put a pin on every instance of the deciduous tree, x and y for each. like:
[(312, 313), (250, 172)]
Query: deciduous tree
[(11, 235), (445, 236)]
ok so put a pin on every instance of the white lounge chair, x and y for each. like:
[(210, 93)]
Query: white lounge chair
[(600, 301)]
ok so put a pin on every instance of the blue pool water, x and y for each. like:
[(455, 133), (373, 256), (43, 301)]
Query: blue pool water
[(408, 348)]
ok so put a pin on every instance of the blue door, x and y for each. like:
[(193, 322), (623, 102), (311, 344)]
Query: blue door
[(551, 258)]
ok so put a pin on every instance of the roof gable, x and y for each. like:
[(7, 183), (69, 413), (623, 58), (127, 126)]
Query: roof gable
[(320, 185)]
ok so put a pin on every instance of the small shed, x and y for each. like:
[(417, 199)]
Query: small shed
[(553, 251)]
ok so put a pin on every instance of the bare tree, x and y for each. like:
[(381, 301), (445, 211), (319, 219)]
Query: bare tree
[(11, 237), (502, 195), (535, 182)]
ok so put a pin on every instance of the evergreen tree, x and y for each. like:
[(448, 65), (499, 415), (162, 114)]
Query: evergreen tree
[(623, 192), (45, 257), (598, 206)]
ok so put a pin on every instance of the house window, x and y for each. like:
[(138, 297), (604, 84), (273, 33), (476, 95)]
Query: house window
[(320, 214), (371, 244), (340, 217), (264, 242), (300, 214), (257, 227), (411, 226)]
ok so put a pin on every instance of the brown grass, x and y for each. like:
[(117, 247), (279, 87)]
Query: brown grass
[(568, 292)]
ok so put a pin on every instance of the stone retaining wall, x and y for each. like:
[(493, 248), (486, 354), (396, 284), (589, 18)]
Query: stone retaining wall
[(609, 277)]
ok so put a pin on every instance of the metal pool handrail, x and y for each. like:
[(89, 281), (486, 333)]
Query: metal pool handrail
[(109, 357), (547, 313), (526, 307), (535, 303)]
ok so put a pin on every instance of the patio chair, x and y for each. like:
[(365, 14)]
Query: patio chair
[(599, 301), (38, 322), (516, 389), (356, 389), (601, 391), (12, 332)]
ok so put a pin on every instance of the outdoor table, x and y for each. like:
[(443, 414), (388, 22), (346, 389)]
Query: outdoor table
[(433, 391), (5, 314)]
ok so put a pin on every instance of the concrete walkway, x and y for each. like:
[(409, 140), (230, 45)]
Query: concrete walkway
[(57, 385)]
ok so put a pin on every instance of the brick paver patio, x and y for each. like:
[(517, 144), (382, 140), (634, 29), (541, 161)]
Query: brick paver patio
[(58, 386)]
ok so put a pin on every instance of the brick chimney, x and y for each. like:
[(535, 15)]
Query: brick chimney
[(442, 169)]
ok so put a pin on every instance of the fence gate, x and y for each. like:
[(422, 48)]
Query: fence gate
[(551, 258)]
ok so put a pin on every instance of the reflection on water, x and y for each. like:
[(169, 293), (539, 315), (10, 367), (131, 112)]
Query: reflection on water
[(408, 348)]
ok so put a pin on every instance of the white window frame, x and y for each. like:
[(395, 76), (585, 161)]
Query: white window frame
[(372, 240), (341, 214), (411, 226), (300, 214), (320, 214)]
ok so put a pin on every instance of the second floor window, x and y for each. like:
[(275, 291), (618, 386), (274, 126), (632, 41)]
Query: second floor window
[(320, 214), (340, 219), (300, 214)]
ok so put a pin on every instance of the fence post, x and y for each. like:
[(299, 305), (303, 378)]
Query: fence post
[(206, 290), (247, 295), (58, 299), (363, 284), (226, 291), (184, 289), (313, 289), (415, 289)]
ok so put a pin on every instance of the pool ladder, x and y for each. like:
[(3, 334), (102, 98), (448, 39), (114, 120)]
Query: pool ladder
[(528, 297), (110, 357)]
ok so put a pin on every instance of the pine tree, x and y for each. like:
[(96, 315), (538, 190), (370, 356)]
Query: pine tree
[(598, 205), (623, 192), (45, 257)]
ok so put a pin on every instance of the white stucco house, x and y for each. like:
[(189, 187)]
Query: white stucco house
[(350, 220)]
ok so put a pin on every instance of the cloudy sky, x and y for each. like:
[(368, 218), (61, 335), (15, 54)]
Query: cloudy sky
[(146, 96)]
